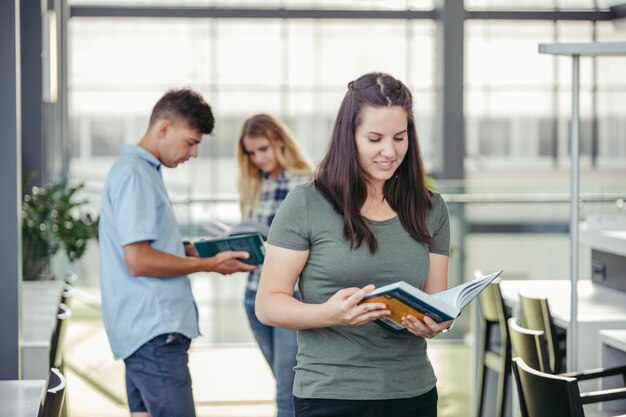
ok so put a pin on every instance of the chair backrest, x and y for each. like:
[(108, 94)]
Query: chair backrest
[(488, 305), (52, 400), (493, 312), (66, 294), (495, 318), (71, 277), (58, 336), (546, 395), (494, 348), (530, 345), (492, 305), (535, 315)]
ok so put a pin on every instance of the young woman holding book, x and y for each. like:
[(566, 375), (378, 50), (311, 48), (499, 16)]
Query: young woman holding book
[(270, 165), (367, 219)]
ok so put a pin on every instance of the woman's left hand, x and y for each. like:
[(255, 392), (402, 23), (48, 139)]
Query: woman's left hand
[(427, 328)]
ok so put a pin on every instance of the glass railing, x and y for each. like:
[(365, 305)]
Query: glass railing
[(523, 230)]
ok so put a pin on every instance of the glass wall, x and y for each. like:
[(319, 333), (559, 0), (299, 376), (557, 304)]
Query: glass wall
[(296, 70), (519, 102), (537, 5), (300, 4), (513, 199)]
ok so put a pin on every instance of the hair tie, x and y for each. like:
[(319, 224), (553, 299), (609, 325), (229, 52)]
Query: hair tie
[(351, 85)]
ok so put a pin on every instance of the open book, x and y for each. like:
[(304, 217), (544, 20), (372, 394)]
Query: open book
[(403, 299), (251, 243), (217, 228)]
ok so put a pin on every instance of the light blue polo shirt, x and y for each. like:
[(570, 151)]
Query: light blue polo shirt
[(136, 207)]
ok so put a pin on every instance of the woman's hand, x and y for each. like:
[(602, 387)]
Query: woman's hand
[(427, 327), (344, 309)]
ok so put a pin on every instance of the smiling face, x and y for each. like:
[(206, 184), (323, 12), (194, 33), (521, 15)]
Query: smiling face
[(381, 143), (177, 143), (261, 154)]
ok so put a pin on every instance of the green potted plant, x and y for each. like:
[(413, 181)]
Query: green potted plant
[(51, 220)]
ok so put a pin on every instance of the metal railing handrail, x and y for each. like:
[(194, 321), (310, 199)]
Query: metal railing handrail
[(618, 198), (532, 197), (459, 198)]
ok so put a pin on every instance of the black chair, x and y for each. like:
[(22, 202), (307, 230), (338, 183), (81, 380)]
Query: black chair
[(530, 345), (66, 294), (547, 395), (535, 315), (58, 336), (52, 400), (494, 348), (71, 277)]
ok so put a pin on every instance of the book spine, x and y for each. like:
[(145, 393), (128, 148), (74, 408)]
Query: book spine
[(422, 308)]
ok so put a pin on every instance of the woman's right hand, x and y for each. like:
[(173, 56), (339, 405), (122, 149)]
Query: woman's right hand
[(344, 308)]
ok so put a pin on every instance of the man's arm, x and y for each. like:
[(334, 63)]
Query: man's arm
[(143, 260)]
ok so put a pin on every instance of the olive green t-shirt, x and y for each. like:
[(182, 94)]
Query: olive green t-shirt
[(365, 362)]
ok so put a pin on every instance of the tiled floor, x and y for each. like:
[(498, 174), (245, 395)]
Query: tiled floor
[(230, 376), (231, 380), (228, 381)]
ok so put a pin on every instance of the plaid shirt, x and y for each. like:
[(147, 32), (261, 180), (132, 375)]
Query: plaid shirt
[(273, 192)]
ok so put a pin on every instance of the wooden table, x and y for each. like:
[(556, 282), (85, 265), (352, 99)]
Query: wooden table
[(21, 398)]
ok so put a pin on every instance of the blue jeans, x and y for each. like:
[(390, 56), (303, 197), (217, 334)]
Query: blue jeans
[(279, 347), (157, 377)]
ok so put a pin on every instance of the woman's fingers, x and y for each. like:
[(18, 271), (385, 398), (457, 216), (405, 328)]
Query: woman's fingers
[(359, 295), (367, 312), (427, 327), (354, 311)]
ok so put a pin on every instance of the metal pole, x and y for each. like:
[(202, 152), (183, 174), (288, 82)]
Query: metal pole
[(572, 339)]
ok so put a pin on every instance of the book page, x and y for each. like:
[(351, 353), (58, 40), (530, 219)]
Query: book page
[(451, 295), (216, 228), (461, 295), (250, 226)]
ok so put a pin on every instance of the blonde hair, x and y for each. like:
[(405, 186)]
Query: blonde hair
[(288, 155)]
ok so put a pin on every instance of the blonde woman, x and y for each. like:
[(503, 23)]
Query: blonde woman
[(270, 165)]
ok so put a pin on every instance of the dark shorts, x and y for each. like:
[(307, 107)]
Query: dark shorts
[(424, 405), (157, 377)]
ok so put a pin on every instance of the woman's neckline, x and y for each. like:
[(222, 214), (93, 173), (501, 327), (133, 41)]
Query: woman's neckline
[(382, 222)]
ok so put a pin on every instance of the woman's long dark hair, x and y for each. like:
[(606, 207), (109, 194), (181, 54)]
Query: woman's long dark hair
[(342, 181)]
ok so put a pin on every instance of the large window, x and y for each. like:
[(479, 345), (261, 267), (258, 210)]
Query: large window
[(301, 4), (518, 102), (296, 70), (532, 5)]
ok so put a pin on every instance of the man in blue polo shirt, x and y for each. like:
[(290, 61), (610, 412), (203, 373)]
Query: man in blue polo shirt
[(148, 309)]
